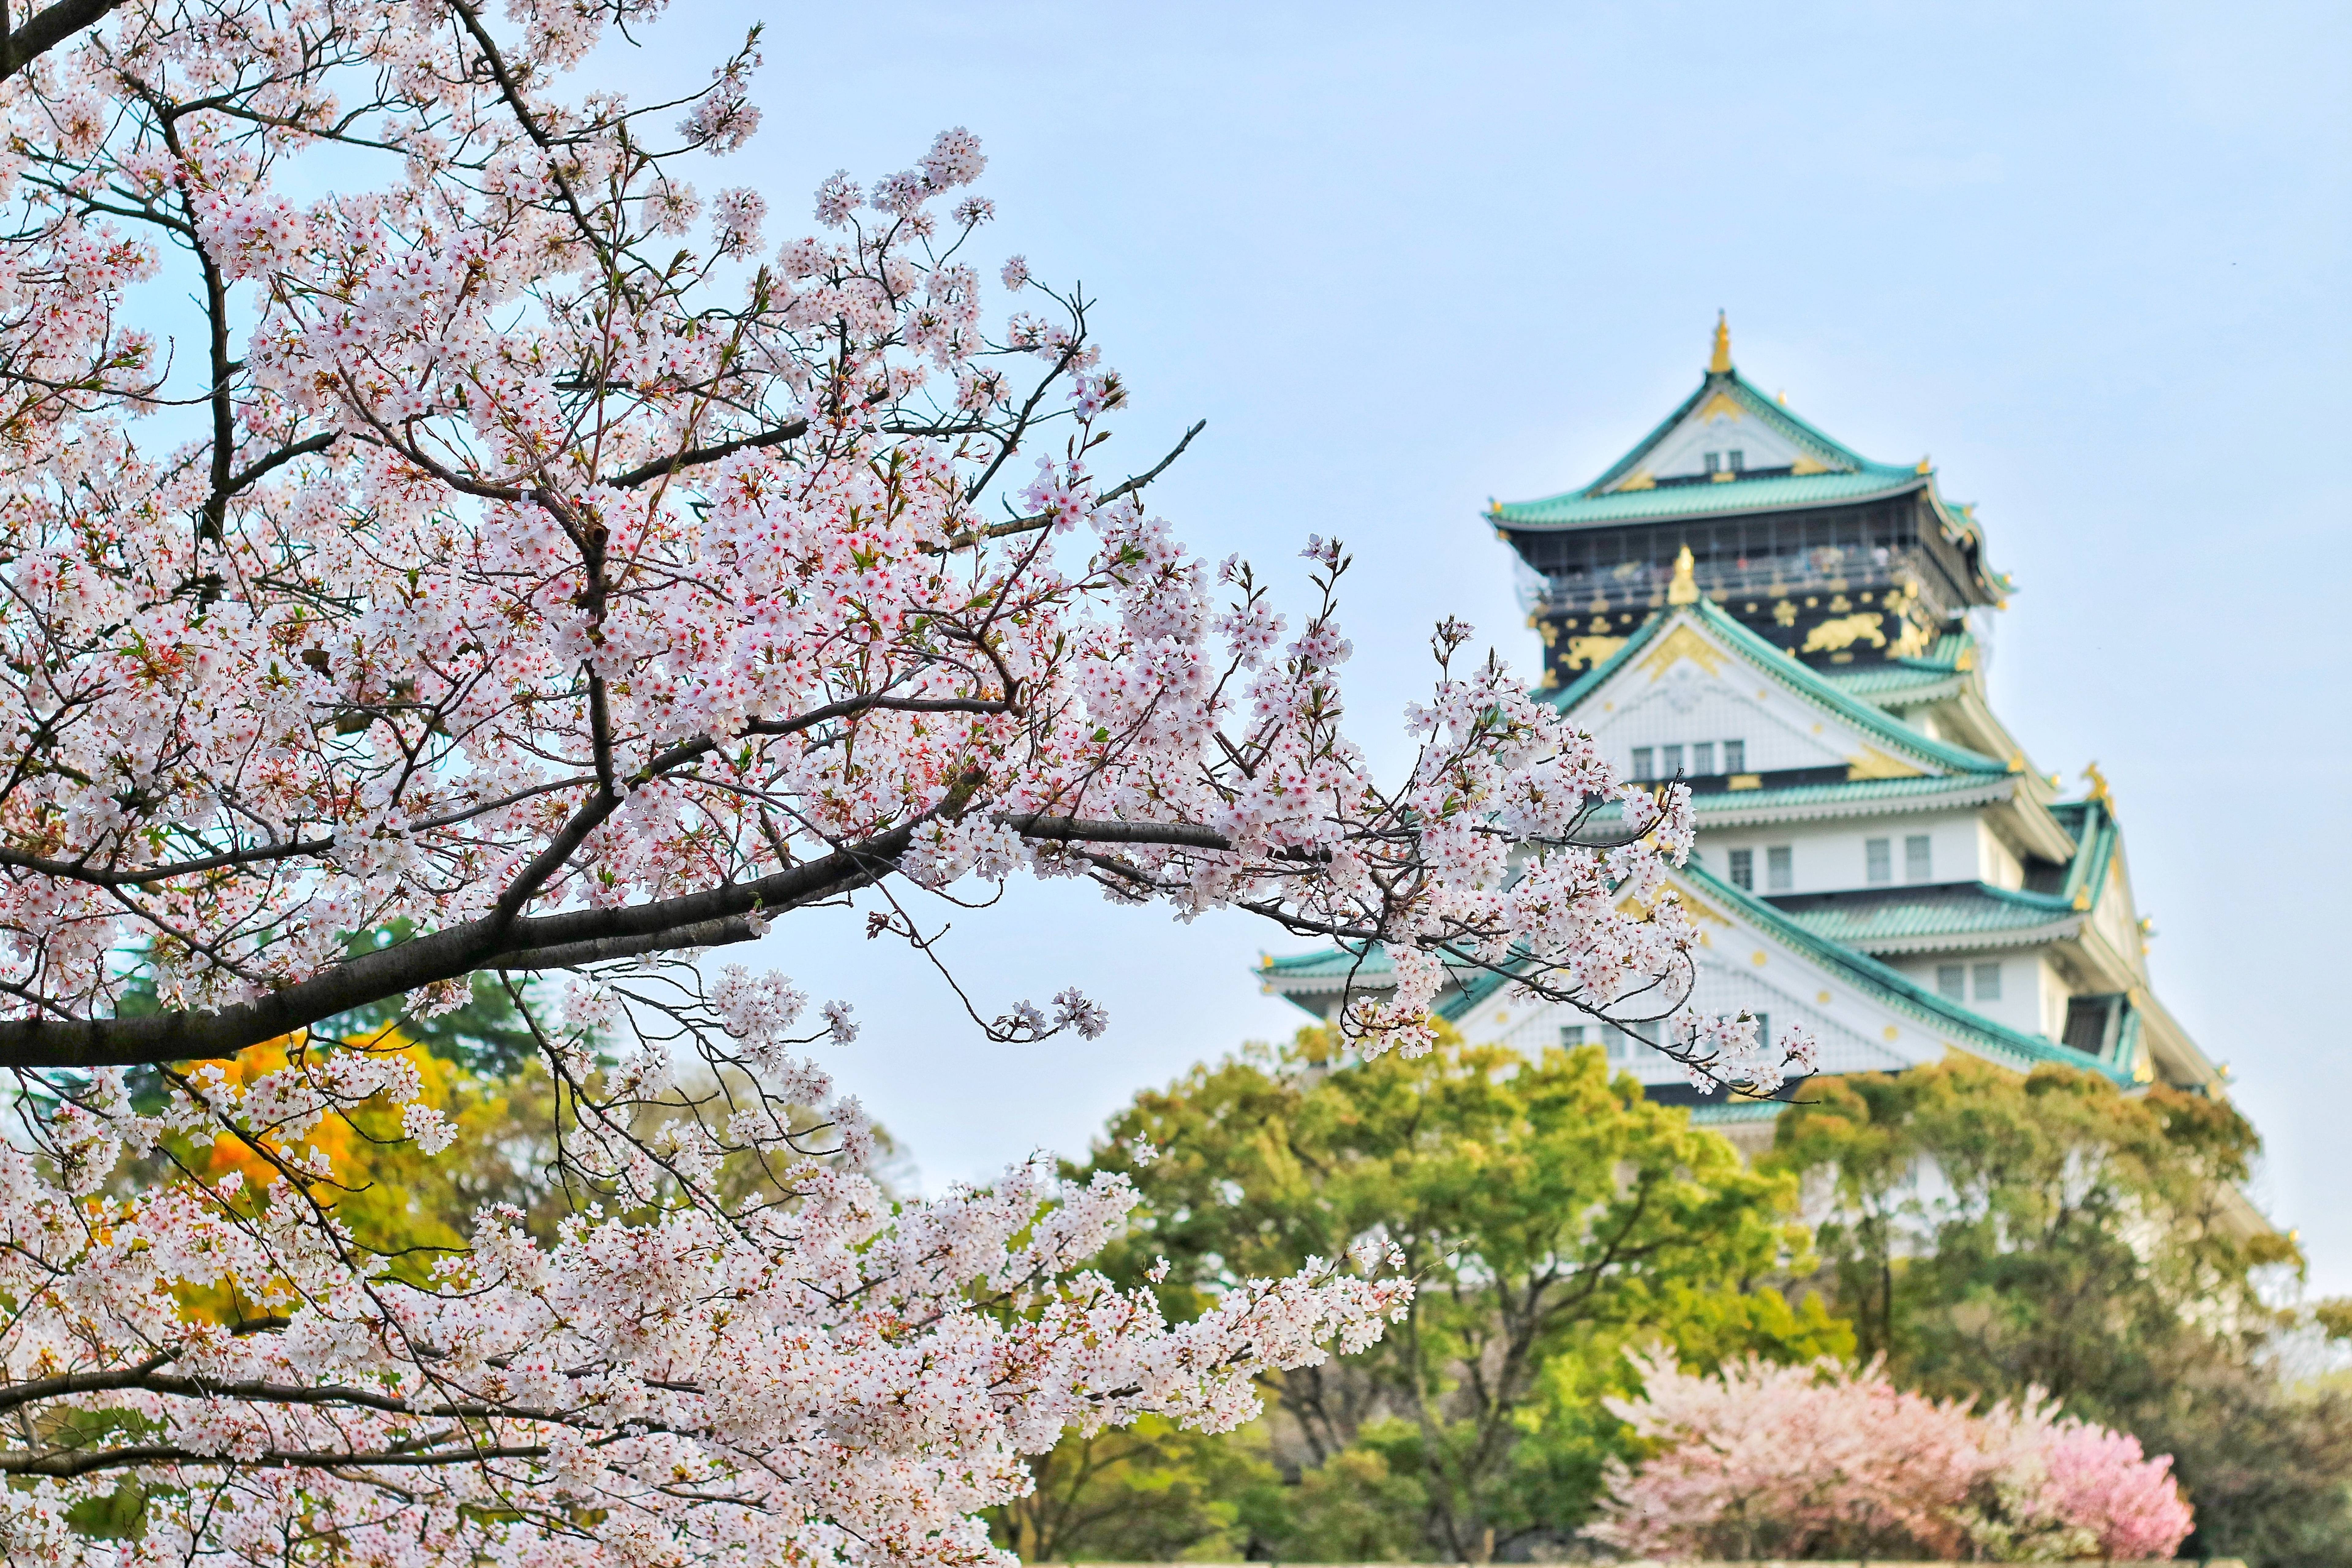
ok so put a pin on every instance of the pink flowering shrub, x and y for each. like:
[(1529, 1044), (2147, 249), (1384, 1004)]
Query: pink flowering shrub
[(1764, 1461), (2098, 1481)]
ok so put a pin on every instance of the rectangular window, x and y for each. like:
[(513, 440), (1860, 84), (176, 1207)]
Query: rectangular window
[(1703, 759), (1571, 1035), (1739, 460), (1879, 855), (1918, 859), (1763, 1027), (1952, 981), (1642, 769), (1670, 761), (1780, 868), (1743, 869), (1714, 461), (1616, 1044), (1988, 978), (1735, 756), (2086, 1024)]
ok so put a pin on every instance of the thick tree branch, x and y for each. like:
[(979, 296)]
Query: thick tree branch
[(698, 456), (734, 912), (47, 28)]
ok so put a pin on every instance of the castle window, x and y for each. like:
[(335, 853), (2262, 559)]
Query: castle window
[(1918, 859), (1987, 979), (1743, 869), (1670, 761), (1703, 759), (1763, 1027), (1952, 981), (1780, 868), (1714, 462), (1735, 756), (1878, 855), (1738, 462), (2086, 1024), (1642, 768), (1571, 1035)]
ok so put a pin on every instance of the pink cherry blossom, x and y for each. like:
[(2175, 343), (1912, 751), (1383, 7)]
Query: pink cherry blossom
[(1824, 1461), (511, 562)]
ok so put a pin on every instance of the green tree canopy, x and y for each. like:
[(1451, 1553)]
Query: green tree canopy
[(1990, 1233), (1551, 1214)]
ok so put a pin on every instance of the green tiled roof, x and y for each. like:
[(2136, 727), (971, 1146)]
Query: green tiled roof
[(1796, 676), (1900, 990), (1849, 476), (1940, 666), (2093, 827), (1774, 492), (1957, 1022), (1879, 920), (1873, 921), (1330, 964), (1715, 1113), (1882, 683), (1927, 789), (1823, 448)]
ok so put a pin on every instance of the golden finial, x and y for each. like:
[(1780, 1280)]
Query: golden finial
[(1722, 359), (1684, 589), (2099, 784), (1926, 465)]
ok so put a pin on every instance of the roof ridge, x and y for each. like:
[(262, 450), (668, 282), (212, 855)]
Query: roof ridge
[(1901, 987), (2054, 902), (1792, 672), (1803, 432), (1803, 677), (1794, 426)]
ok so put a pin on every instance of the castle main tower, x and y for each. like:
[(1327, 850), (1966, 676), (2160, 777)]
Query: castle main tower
[(1815, 548), (1747, 605)]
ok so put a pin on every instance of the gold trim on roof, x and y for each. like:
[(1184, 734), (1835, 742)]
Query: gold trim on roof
[(1873, 763), (1682, 643), (1720, 361)]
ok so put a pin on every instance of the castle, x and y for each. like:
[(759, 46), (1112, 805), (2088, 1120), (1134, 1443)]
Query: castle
[(1796, 632)]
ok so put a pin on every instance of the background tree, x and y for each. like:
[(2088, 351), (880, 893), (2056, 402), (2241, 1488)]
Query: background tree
[(1991, 1233), (1550, 1217)]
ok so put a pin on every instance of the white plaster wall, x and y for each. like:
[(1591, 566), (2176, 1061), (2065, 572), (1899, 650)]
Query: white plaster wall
[(1851, 1033), (1683, 452), (1685, 705), (2032, 999), (1831, 857), (2002, 867)]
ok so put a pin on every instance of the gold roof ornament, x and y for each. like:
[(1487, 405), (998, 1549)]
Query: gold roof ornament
[(1721, 360), (1684, 589), (2098, 781), (1926, 465)]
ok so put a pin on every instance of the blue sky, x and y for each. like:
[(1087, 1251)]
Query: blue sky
[(2092, 258)]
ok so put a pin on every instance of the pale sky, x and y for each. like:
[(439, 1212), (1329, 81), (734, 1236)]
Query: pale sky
[(2092, 257)]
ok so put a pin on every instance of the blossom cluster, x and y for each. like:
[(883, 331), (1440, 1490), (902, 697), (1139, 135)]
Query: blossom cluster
[(1766, 1461), (528, 561)]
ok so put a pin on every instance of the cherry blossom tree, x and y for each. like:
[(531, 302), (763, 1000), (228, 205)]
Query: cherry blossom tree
[(520, 557), (1769, 1461)]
